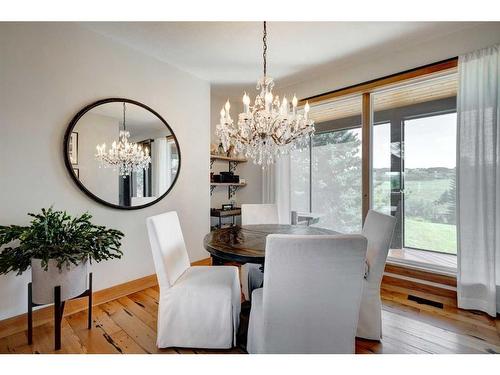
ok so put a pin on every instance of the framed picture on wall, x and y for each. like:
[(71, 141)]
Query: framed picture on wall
[(73, 148), (77, 172)]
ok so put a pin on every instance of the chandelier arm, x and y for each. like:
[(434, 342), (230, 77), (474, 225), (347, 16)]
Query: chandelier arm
[(276, 139)]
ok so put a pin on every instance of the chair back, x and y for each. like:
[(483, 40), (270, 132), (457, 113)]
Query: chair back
[(312, 292), (378, 230), (169, 250), (259, 214)]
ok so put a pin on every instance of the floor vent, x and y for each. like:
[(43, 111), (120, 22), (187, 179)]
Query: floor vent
[(425, 301)]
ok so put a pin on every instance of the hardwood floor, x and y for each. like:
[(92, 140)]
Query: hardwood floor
[(128, 325)]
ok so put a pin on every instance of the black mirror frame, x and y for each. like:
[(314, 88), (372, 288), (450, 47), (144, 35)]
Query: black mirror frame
[(69, 166)]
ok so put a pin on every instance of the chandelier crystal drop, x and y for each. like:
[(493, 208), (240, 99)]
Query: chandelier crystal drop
[(124, 156), (268, 128)]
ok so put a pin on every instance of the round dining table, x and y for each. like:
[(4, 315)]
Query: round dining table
[(247, 243)]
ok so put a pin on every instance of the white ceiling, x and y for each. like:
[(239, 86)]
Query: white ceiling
[(227, 53)]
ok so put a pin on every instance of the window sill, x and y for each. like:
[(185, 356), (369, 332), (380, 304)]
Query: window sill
[(444, 264)]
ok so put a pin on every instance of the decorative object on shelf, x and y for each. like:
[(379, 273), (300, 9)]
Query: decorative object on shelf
[(229, 177), (231, 151), (227, 207), (124, 156), (268, 128), (153, 159), (73, 148), (58, 248), (221, 150), (213, 148)]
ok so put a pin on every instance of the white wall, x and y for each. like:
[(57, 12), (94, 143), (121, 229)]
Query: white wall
[(252, 193), (48, 72)]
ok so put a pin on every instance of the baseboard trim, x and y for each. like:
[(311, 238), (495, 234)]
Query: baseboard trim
[(43, 315)]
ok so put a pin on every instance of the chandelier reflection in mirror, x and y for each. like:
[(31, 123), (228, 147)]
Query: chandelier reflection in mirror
[(124, 156), (268, 128)]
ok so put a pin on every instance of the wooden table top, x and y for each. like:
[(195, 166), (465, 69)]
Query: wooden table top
[(247, 244)]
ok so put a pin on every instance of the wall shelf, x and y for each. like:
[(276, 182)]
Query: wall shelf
[(231, 187), (233, 161), (227, 184), (228, 158)]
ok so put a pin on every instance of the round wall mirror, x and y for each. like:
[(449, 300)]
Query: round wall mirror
[(122, 153)]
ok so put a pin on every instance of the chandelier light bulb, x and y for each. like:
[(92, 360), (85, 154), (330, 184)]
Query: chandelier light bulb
[(227, 106), (268, 99), (284, 105), (246, 103), (306, 110)]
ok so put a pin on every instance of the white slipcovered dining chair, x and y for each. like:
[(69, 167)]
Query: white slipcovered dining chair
[(255, 214), (311, 295), (378, 230), (199, 307)]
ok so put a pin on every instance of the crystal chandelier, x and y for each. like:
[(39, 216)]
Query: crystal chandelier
[(268, 128), (124, 156)]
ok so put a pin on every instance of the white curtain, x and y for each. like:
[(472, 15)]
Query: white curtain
[(276, 187), (160, 155), (478, 203)]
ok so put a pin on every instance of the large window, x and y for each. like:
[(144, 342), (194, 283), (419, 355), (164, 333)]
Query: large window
[(336, 179), (326, 177), (430, 176), (300, 161), (413, 162), (411, 170)]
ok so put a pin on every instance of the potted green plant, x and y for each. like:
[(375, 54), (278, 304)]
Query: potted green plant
[(58, 248)]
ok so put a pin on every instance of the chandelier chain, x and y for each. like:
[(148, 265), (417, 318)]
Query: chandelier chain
[(264, 53), (124, 109)]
